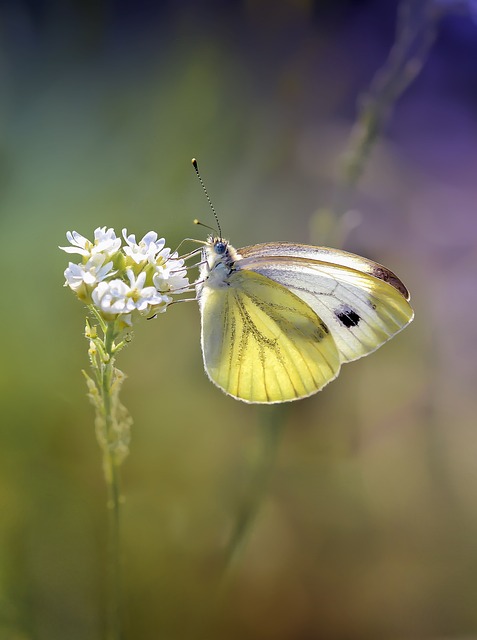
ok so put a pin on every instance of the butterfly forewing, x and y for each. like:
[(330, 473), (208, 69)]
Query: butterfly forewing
[(361, 311), (269, 346), (326, 255)]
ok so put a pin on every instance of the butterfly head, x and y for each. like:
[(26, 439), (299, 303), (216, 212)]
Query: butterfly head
[(220, 252), (220, 246), (219, 259)]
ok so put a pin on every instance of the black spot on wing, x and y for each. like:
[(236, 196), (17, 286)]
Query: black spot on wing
[(347, 316)]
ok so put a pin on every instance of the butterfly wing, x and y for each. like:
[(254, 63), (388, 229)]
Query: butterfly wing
[(326, 255), (261, 343), (362, 303)]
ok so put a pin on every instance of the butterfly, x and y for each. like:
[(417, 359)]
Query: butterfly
[(279, 319)]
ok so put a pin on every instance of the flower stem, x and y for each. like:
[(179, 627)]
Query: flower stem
[(113, 427), (114, 565), (111, 472)]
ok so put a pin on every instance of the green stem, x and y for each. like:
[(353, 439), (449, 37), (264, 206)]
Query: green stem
[(111, 472), (102, 323), (272, 423), (114, 577)]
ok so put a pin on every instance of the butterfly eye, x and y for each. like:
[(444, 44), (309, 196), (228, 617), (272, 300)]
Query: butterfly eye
[(220, 247)]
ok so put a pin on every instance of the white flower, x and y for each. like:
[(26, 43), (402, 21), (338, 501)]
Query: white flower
[(170, 274), (164, 280), (105, 242), (122, 291), (89, 274), (117, 297), (146, 249)]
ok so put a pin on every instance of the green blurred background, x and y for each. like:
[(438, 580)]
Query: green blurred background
[(368, 528)]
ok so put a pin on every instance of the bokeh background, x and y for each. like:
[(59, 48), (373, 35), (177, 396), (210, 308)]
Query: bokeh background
[(368, 524)]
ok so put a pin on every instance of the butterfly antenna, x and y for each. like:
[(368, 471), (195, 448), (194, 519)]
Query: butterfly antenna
[(196, 167), (201, 224)]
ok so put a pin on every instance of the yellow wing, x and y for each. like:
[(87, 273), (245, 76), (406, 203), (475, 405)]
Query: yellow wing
[(261, 343)]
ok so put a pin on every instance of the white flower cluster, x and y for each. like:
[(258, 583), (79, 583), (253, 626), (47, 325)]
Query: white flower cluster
[(121, 279)]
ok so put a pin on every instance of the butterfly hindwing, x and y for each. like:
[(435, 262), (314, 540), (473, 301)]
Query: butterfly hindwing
[(262, 343)]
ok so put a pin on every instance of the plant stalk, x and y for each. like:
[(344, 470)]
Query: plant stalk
[(111, 472)]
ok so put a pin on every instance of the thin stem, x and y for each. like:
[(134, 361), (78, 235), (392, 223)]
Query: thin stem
[(415, 34), (114, 565), (272, 423), (111, 472), (102, 323)]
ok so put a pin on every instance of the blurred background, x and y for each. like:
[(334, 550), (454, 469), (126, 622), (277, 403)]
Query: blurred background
[(367, 527)]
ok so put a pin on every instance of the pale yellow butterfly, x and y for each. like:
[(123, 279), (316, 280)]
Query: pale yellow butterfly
[(279, 319)]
